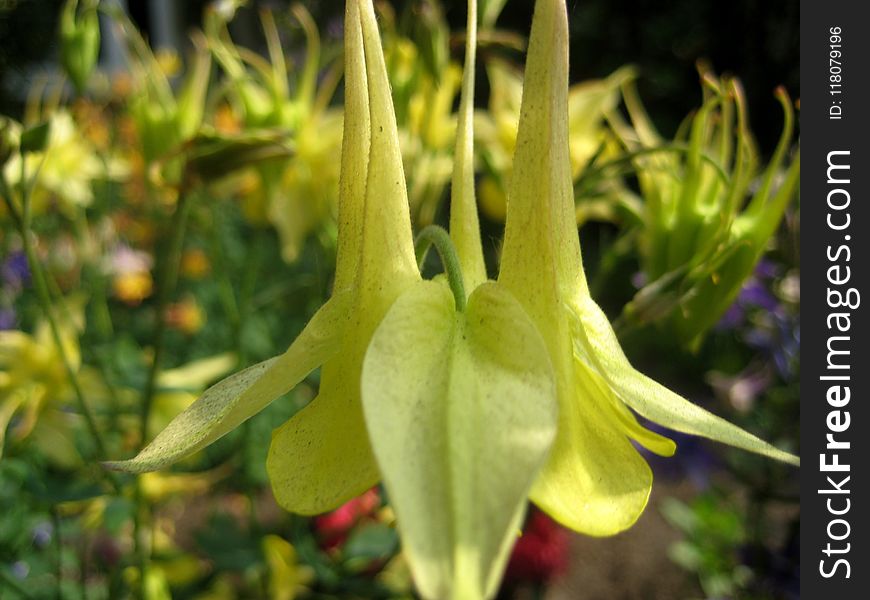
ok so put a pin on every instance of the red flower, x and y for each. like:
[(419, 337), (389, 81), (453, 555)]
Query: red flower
[(541, 553), (333, 527)]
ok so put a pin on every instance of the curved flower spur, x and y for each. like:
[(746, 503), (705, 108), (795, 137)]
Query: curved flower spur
[(595, 481)]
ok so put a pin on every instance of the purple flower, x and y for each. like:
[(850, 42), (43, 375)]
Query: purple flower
[(7, 319), (755, 293), (42, 534), (14, 272), (733, 318)]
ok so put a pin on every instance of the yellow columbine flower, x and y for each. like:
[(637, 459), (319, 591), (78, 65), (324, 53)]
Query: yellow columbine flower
[(595, 481), (287, 578), (459, 402), (321, 457), (588, 103), (454, 398), (296, 195), (709, 213), (65, 169), (449, 397), (32, 375)]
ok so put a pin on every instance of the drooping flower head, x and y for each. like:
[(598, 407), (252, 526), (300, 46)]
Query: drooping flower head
[(464, 396), (321, 457), (595, 481)]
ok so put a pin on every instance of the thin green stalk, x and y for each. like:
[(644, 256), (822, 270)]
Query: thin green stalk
[(58, 558), (433, 235), (166, 287), (106, 335), (44, 298)]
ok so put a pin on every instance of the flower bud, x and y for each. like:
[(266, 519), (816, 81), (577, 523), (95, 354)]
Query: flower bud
[(79, 41)]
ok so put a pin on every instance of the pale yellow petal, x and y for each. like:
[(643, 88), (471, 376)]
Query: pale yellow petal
[(464, 224), (232, 401), (462, 411), (321, 457), (355, 147), (596, 341), (595, 482), (387, 263), (541, 250)]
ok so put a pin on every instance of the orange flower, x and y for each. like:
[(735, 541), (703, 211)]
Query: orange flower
[(195, 264), (132, 288), (186, 316)]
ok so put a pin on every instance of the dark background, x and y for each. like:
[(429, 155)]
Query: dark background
[(757, 41)]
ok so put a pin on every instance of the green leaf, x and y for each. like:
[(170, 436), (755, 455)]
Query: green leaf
[(374, 541), (235, 399), (461, 409), (34, 138)]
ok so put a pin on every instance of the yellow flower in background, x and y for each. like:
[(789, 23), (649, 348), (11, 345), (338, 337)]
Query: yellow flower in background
[(130, 270), (195, 263), (165, 116), (297, 194), (306, 193), (588, 104), (710, 210), (287, 578), (425, 84), (132, 288), (186, 316), (32, 375), (65, 170)]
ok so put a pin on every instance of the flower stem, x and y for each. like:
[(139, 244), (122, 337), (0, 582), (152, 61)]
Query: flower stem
[(433, 235), (168, 278), (22, 221), (166, 287)]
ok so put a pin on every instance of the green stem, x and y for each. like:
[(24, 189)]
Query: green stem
[(58, 558), (433, 235), (166, 287), (44, 298)]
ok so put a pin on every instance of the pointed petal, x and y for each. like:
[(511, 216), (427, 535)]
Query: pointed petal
[(541, 264), (596, 341), (595, 482), (541, 246), (458, 446), (355, 147), (387, 263), (464, 224), (321, 457), (232, 401)]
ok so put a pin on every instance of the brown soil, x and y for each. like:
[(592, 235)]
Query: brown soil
[(633, 565)]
